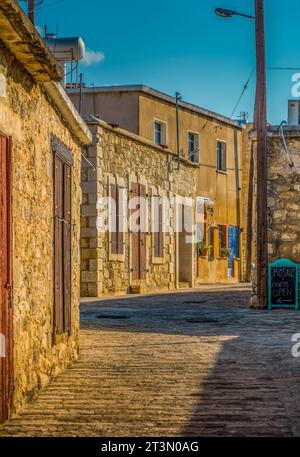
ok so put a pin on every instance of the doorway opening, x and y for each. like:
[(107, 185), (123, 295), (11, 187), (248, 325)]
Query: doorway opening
[(185, 246)]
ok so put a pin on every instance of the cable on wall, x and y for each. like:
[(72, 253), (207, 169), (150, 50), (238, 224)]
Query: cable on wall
[(291, 163)]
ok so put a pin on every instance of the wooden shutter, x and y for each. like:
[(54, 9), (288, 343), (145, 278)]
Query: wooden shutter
[(63, 162), (156, 226), (158, 234), (120, 221), (67, 266), (143, 240), (135, 238), (58, 245), (224, 156), (114, 216), (224, 235)]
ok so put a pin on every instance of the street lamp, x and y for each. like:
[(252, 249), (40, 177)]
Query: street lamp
[(260, 121), (229, 13)]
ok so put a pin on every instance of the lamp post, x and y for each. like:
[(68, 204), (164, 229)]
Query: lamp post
[(260, 120)]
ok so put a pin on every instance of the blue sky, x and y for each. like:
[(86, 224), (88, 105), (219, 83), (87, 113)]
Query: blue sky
[(181, 45)]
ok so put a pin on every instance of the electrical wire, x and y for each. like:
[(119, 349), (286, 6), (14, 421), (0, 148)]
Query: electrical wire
[(72, 70), (291, 163), (245, 87), (49, 4), (284, 68)]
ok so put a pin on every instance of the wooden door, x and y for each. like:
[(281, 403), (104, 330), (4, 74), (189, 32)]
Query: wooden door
[(142, 240), (138, 239), (63, 162), (6, 335)]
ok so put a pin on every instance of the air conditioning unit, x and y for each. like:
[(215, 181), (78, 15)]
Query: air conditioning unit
[(294, 112)]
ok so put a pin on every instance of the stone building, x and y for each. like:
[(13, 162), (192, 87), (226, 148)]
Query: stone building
[(40, 160), (132, 171), (210, 143)]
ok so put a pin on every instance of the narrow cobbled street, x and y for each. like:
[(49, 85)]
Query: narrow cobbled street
[(180, 364)]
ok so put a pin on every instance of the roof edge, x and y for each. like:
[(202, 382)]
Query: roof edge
[(162, 96), (93, 120), (65, 106), (21, 37)]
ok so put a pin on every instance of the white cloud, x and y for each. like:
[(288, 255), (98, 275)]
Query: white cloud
[(91, 57)]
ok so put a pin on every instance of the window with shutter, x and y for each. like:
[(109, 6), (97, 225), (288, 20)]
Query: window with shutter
[(117, 220), (221, 156), (158, 239), (113, 215), (63, 162)]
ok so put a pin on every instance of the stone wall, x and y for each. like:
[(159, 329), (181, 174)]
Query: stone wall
[(283, 198), (124, 157), (29, 118)]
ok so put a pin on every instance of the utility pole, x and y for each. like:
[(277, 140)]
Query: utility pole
[(31, 10), (261, 158)]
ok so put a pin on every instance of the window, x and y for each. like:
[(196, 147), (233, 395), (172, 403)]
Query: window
[(221, 156), (158, 239), (201, 223), (117, 219), (160, 133), (193, 147), (63, 162)]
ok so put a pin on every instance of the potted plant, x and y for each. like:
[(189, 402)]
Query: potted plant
[(225, 252), (202, 249)]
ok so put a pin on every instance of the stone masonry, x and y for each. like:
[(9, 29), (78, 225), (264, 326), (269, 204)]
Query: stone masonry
[(29, 118), (122, 157), (283, 197)]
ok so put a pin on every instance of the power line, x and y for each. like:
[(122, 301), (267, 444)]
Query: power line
[(284, 68), (245, 87), (49, 4)]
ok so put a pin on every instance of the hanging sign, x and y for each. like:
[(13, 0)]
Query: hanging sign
[(283, 284)]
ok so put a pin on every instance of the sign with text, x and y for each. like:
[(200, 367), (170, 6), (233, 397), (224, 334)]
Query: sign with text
[(283, 284)]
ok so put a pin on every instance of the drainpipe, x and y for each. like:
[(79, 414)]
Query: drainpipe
[(178, 98)]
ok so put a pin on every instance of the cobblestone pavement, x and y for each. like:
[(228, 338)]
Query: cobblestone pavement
[(180, 364)]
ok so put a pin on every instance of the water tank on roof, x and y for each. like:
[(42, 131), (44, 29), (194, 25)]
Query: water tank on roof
[(66, 49)]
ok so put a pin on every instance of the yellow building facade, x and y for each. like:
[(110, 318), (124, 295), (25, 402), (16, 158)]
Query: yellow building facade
[(210, 141)]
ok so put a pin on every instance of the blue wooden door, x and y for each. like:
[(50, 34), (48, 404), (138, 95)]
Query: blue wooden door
[(233, 245)]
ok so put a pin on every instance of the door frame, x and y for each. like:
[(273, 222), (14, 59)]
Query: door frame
[(6, 363), (184, 249)]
